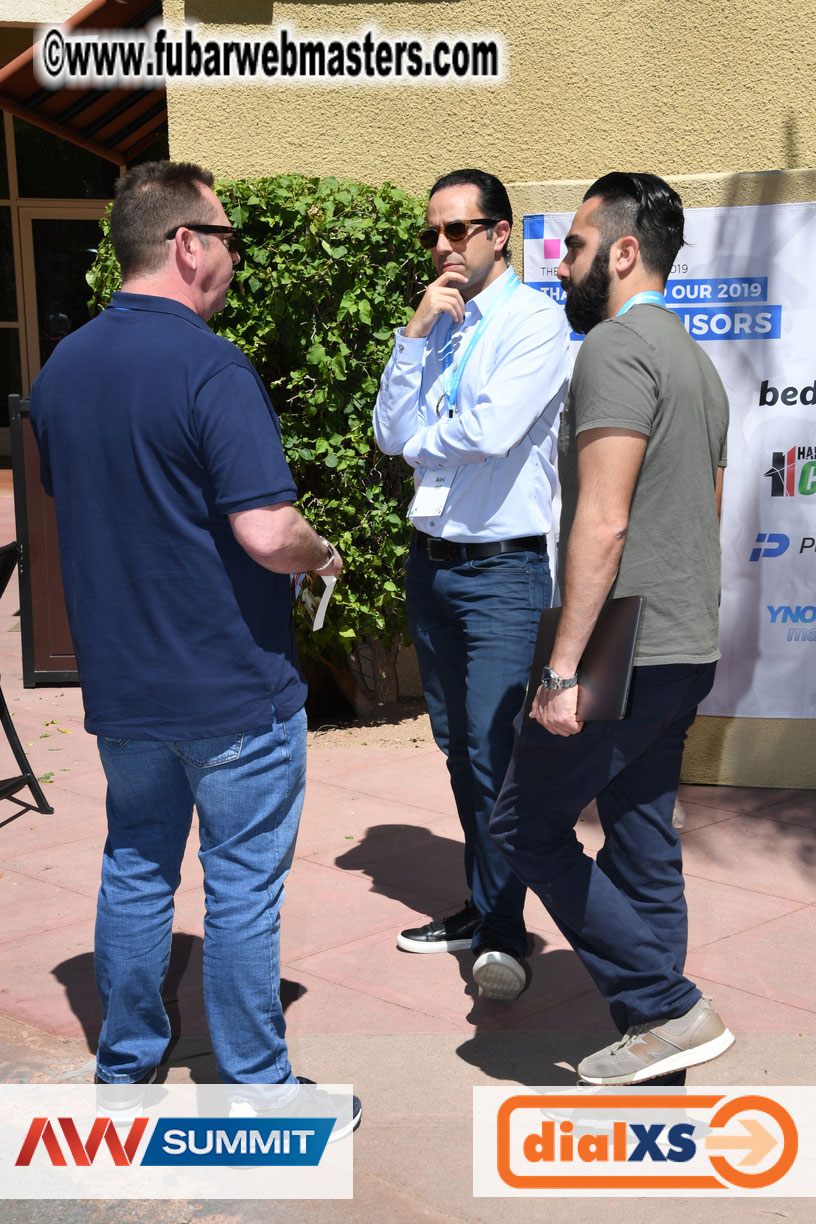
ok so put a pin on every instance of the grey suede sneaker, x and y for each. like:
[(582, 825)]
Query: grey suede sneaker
[(650, 1050)]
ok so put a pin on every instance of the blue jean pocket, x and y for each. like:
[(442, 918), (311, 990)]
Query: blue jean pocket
[(207, 753)]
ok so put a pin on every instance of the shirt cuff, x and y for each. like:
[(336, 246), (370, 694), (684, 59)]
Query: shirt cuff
[(408, 348)]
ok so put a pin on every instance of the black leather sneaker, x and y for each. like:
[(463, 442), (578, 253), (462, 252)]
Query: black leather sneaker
[(452, 934)]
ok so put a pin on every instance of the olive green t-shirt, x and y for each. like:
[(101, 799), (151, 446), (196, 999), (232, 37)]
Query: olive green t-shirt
[(642, 371)]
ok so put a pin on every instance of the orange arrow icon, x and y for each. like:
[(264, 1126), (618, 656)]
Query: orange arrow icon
[(757, 1140)]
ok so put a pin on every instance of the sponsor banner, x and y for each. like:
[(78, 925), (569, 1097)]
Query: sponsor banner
[(660, 1143), (175, 1142), (744, 287)]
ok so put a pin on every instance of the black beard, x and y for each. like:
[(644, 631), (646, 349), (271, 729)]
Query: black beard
[(586, 301)]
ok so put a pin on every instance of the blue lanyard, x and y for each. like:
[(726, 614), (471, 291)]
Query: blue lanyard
[(650, 297), (451, 383)]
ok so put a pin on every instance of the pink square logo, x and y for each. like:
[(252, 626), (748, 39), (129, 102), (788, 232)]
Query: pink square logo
[(552, 248)]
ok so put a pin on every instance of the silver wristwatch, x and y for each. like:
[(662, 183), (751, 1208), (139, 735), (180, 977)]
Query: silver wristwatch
[(552, 681)]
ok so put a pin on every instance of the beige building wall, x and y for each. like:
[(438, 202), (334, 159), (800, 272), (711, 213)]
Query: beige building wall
[(672, 85)]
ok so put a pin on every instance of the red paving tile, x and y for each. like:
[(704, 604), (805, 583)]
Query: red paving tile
[(745, 1011), (718, 910), (753, 852), (29, 906), (335, 818), (325, 1006), (752, 961)]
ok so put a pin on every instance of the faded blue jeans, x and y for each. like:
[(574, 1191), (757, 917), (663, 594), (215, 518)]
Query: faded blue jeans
[(248, 790), (474, 626)]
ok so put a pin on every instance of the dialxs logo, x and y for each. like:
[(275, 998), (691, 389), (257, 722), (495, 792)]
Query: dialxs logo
[(643, 1141), (81, 1154)]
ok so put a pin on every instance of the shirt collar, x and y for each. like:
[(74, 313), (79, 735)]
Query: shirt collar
[(482, 301), (155, 305)]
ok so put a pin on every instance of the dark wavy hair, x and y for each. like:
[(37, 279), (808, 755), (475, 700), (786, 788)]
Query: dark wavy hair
[(495, 202), (646, 207)]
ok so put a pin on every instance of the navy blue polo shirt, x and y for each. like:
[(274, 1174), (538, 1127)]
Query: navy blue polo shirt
[(152, 430)]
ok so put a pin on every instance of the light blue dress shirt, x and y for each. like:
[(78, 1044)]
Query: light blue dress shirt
[(501, 443)]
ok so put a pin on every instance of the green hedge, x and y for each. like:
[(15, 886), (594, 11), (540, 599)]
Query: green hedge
[(329, 269)]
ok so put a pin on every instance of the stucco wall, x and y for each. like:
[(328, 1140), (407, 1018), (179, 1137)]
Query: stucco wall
[(672, 85)]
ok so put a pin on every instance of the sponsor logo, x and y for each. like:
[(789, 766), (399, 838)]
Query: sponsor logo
[(704, 1140), (793, 472), (768, 395), (774, 544), (182, 1142), (784, 614), (543, 247), (803, 616), (103, 1131)]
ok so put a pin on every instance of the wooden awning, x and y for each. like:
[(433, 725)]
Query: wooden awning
[(112, 123)]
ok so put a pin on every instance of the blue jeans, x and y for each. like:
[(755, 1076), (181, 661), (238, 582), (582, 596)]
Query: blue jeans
[(624, 913), (248, 789), (474, 626)]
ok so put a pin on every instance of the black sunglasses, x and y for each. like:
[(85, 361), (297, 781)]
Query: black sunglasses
[(455, 231), (230, 236)]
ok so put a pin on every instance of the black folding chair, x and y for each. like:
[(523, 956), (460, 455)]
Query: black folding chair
[(9, 555)]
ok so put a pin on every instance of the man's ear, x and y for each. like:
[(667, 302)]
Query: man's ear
[(624, 254), (501, 236), (187, 248)]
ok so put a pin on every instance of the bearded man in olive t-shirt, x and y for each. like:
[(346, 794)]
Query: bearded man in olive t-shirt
[(641, 457)]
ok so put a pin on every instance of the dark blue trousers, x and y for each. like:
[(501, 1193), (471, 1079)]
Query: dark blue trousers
[(624, 914), (474, 627)]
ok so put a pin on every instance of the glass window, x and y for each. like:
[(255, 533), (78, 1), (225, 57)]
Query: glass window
[(11, 382), (8, 294), (4, 179), (49, 167), (64, 250)]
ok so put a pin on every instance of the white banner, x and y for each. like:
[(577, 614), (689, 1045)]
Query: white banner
[(743, 285)]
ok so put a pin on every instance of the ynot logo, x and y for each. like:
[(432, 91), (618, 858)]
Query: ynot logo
[(784, 614), (774, 544)]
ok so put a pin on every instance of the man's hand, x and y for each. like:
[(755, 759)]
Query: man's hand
[(556, 710), (332, 570), (441, 297)]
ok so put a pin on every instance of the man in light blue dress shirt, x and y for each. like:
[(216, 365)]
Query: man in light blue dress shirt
[(471, 398)]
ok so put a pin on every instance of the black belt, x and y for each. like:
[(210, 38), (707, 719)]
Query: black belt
[(447, 550)]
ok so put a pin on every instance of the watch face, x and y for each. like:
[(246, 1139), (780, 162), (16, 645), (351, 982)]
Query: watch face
[(553, 682)]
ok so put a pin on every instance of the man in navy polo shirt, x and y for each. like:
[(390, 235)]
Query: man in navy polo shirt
[(177, 534)]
